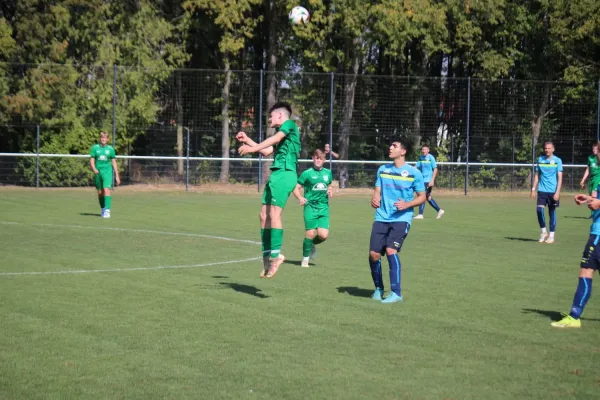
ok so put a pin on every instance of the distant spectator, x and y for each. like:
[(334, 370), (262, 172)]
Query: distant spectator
[(328, 150)]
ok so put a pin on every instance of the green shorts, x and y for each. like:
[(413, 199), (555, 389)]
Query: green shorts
[(103, 179), (593, 184), (316, 218), (279, 187)]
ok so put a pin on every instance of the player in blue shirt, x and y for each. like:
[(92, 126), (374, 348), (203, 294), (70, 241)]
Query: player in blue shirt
[(393, 200), (590, 262), (428, 167), (549, 176)]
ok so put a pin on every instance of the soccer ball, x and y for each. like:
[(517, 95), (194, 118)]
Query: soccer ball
[(299, 15)]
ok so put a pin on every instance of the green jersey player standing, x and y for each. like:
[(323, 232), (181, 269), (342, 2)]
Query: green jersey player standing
[(592, 172), (103, 163), (285, 144), (316, 182)]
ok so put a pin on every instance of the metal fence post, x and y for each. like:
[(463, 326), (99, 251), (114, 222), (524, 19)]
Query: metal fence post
[(573, 162), (532, 158), (598, 115), (260, 128), (187, 160), (468, 135), (512, 172), (331, 94), (452, 160), (114, 105), (37, 158)]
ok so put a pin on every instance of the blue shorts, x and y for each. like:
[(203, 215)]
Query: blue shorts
[(591, 253), (545, 199), (388, 234)]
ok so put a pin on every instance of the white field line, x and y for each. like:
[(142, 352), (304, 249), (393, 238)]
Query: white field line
[(135, 230), (84, 271), (87, 271)]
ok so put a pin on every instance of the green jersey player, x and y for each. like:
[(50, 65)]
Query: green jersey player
[(316, 182), (285, 144), (592, 172), (103, 163)]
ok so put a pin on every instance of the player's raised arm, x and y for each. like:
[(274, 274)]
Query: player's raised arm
[(269, 142), (242, 137)]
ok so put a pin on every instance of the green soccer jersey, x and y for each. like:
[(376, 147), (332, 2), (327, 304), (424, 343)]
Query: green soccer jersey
[(288, 150), (594, 167), (316, 183), (103, 156)]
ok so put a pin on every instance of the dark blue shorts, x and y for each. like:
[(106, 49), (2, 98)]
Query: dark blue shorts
[(545, 199), (388, 234), (591, 253), (428, 190)]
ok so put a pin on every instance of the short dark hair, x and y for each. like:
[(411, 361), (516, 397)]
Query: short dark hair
[(549, 142), (281, 104), (398, 140)]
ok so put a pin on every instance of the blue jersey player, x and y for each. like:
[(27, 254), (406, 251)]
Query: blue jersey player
[(590, 262), (393, 200), (428, 167), (549, 176)]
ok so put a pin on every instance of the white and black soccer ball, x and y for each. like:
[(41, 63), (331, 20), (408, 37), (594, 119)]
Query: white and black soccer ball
[(299, 16)]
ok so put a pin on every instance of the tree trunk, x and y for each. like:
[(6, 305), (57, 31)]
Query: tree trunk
[(415, 140), (272, 81), (537, 121), (224, 177), (179, 108), (348, 98)]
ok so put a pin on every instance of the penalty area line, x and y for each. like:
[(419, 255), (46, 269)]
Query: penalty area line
[(89, 271), (134, 230)]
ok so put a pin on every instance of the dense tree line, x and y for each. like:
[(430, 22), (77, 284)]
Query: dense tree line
[(400, 67)]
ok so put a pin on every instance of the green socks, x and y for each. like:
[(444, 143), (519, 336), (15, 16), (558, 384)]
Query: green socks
[(276, 241), (265, 238), (306, 247), (107, 201), (317, 240)]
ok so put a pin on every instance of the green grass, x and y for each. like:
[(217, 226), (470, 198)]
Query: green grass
[(479, 296)]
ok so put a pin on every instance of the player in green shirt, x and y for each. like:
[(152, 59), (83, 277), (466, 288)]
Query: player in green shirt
[(316, 182), (592, 171), (103, 163), (285, 144)]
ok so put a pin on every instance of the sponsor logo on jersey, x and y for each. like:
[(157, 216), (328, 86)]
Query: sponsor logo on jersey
[(320, 187), (404, 173)]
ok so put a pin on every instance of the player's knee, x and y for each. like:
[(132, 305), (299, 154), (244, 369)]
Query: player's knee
[(428, 198), (374, 256), (310, 234), (275, 212), (390, 252), (323, 235)]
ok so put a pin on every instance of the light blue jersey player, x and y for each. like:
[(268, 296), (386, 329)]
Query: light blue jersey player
[(399, 188), (549, 173), (428, 167), (590, 262)]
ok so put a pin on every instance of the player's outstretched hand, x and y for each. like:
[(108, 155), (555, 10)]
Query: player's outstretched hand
[(245, 149), (242, 137), (581, 198), (594, 204)]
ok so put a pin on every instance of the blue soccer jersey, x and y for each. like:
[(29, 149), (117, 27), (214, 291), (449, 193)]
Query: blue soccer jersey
[(397, 184), (548, 169), (426, 164)]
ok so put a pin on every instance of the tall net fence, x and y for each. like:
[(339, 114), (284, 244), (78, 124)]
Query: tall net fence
[(193, 116)]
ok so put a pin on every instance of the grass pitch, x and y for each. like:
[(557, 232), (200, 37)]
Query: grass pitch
[(164, 301)]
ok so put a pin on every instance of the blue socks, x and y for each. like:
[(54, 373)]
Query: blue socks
[(421, 208), (541, 218), (552, 212), (434, 204), (582, 295), (395, 273), (376, 273)]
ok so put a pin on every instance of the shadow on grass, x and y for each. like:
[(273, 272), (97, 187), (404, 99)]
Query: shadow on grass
[(293, 262), (553, 315), (574, 217), (220, 277), (89, 215), (520, 239), (355, 291), (247, 289)]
